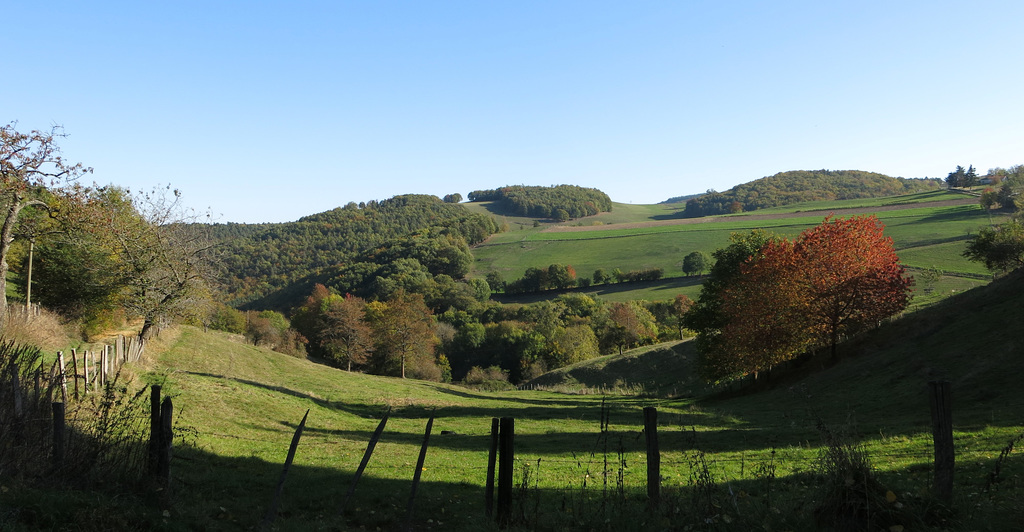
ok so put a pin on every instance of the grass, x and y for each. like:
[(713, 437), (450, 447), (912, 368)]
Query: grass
[(735, 461), (242, 405)]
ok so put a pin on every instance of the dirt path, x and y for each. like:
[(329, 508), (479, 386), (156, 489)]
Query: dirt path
[(712, 219)]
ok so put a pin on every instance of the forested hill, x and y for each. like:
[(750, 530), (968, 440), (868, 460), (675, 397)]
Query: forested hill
[(786, 188), (560, 203), (264, 258)]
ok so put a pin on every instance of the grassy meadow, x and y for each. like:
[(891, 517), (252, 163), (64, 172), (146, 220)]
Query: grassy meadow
[(783, 453), (731, 459)]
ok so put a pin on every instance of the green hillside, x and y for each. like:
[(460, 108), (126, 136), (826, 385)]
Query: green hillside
[(238, 407), (244, 403)]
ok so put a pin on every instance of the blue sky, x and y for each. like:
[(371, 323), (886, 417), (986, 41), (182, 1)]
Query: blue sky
[(269, 111)]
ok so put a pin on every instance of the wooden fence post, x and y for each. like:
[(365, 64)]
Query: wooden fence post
[(154, 428), (506, 463), (103, 366), (419, 469), (272, 510), (58, 434), (74, 370), (166, 439), (492, 456), (63, 376), (86, 356), (941, 404), (653, 455), (366, 459)]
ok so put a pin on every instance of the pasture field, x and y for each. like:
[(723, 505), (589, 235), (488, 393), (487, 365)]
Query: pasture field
[(926, 236), (756, 451)]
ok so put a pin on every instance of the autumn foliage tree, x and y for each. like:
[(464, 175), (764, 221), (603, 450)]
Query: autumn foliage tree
[(852, 275), (788, 297)]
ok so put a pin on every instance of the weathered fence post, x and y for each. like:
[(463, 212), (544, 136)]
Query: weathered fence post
[(653, 455), (154, 428), (163, 471), (506, 463), (74, 370), (63, 376), (58, 435), (492, 456), (103, 366), (86, 359), (941, 404), (366, 459), (419, 469), (272, 510)]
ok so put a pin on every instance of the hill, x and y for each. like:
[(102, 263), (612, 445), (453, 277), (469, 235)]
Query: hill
[(786, 188), (237, 407), (242, 405), (261, 260)]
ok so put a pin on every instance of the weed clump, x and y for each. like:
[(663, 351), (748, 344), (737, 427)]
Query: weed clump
[(852, 497)]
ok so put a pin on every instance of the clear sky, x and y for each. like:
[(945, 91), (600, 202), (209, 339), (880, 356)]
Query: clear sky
[(270, 111)]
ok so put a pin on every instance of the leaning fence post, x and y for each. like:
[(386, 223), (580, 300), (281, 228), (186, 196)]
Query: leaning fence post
[(492, 455), (272, 510), (940, 401), (506, 462), (366, 459), (653, 455), (419, 469)]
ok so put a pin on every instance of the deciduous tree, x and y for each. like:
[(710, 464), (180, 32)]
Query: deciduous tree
[(30, 165), (402, 332), (1000, 248), (344, 333), (630, 324), (852, 274), (695, 263)]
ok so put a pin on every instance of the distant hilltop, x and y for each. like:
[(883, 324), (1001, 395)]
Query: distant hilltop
[(796, 186)]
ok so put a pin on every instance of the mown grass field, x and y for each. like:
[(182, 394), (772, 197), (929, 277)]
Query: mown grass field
[(238, 407)]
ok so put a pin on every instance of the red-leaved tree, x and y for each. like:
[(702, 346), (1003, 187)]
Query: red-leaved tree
[(834, 280), (852, 275)]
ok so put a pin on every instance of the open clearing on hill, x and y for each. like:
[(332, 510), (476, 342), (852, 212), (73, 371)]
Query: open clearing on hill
[(753, 217)]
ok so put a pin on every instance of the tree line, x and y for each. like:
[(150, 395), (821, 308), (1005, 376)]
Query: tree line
[(563, 277)]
